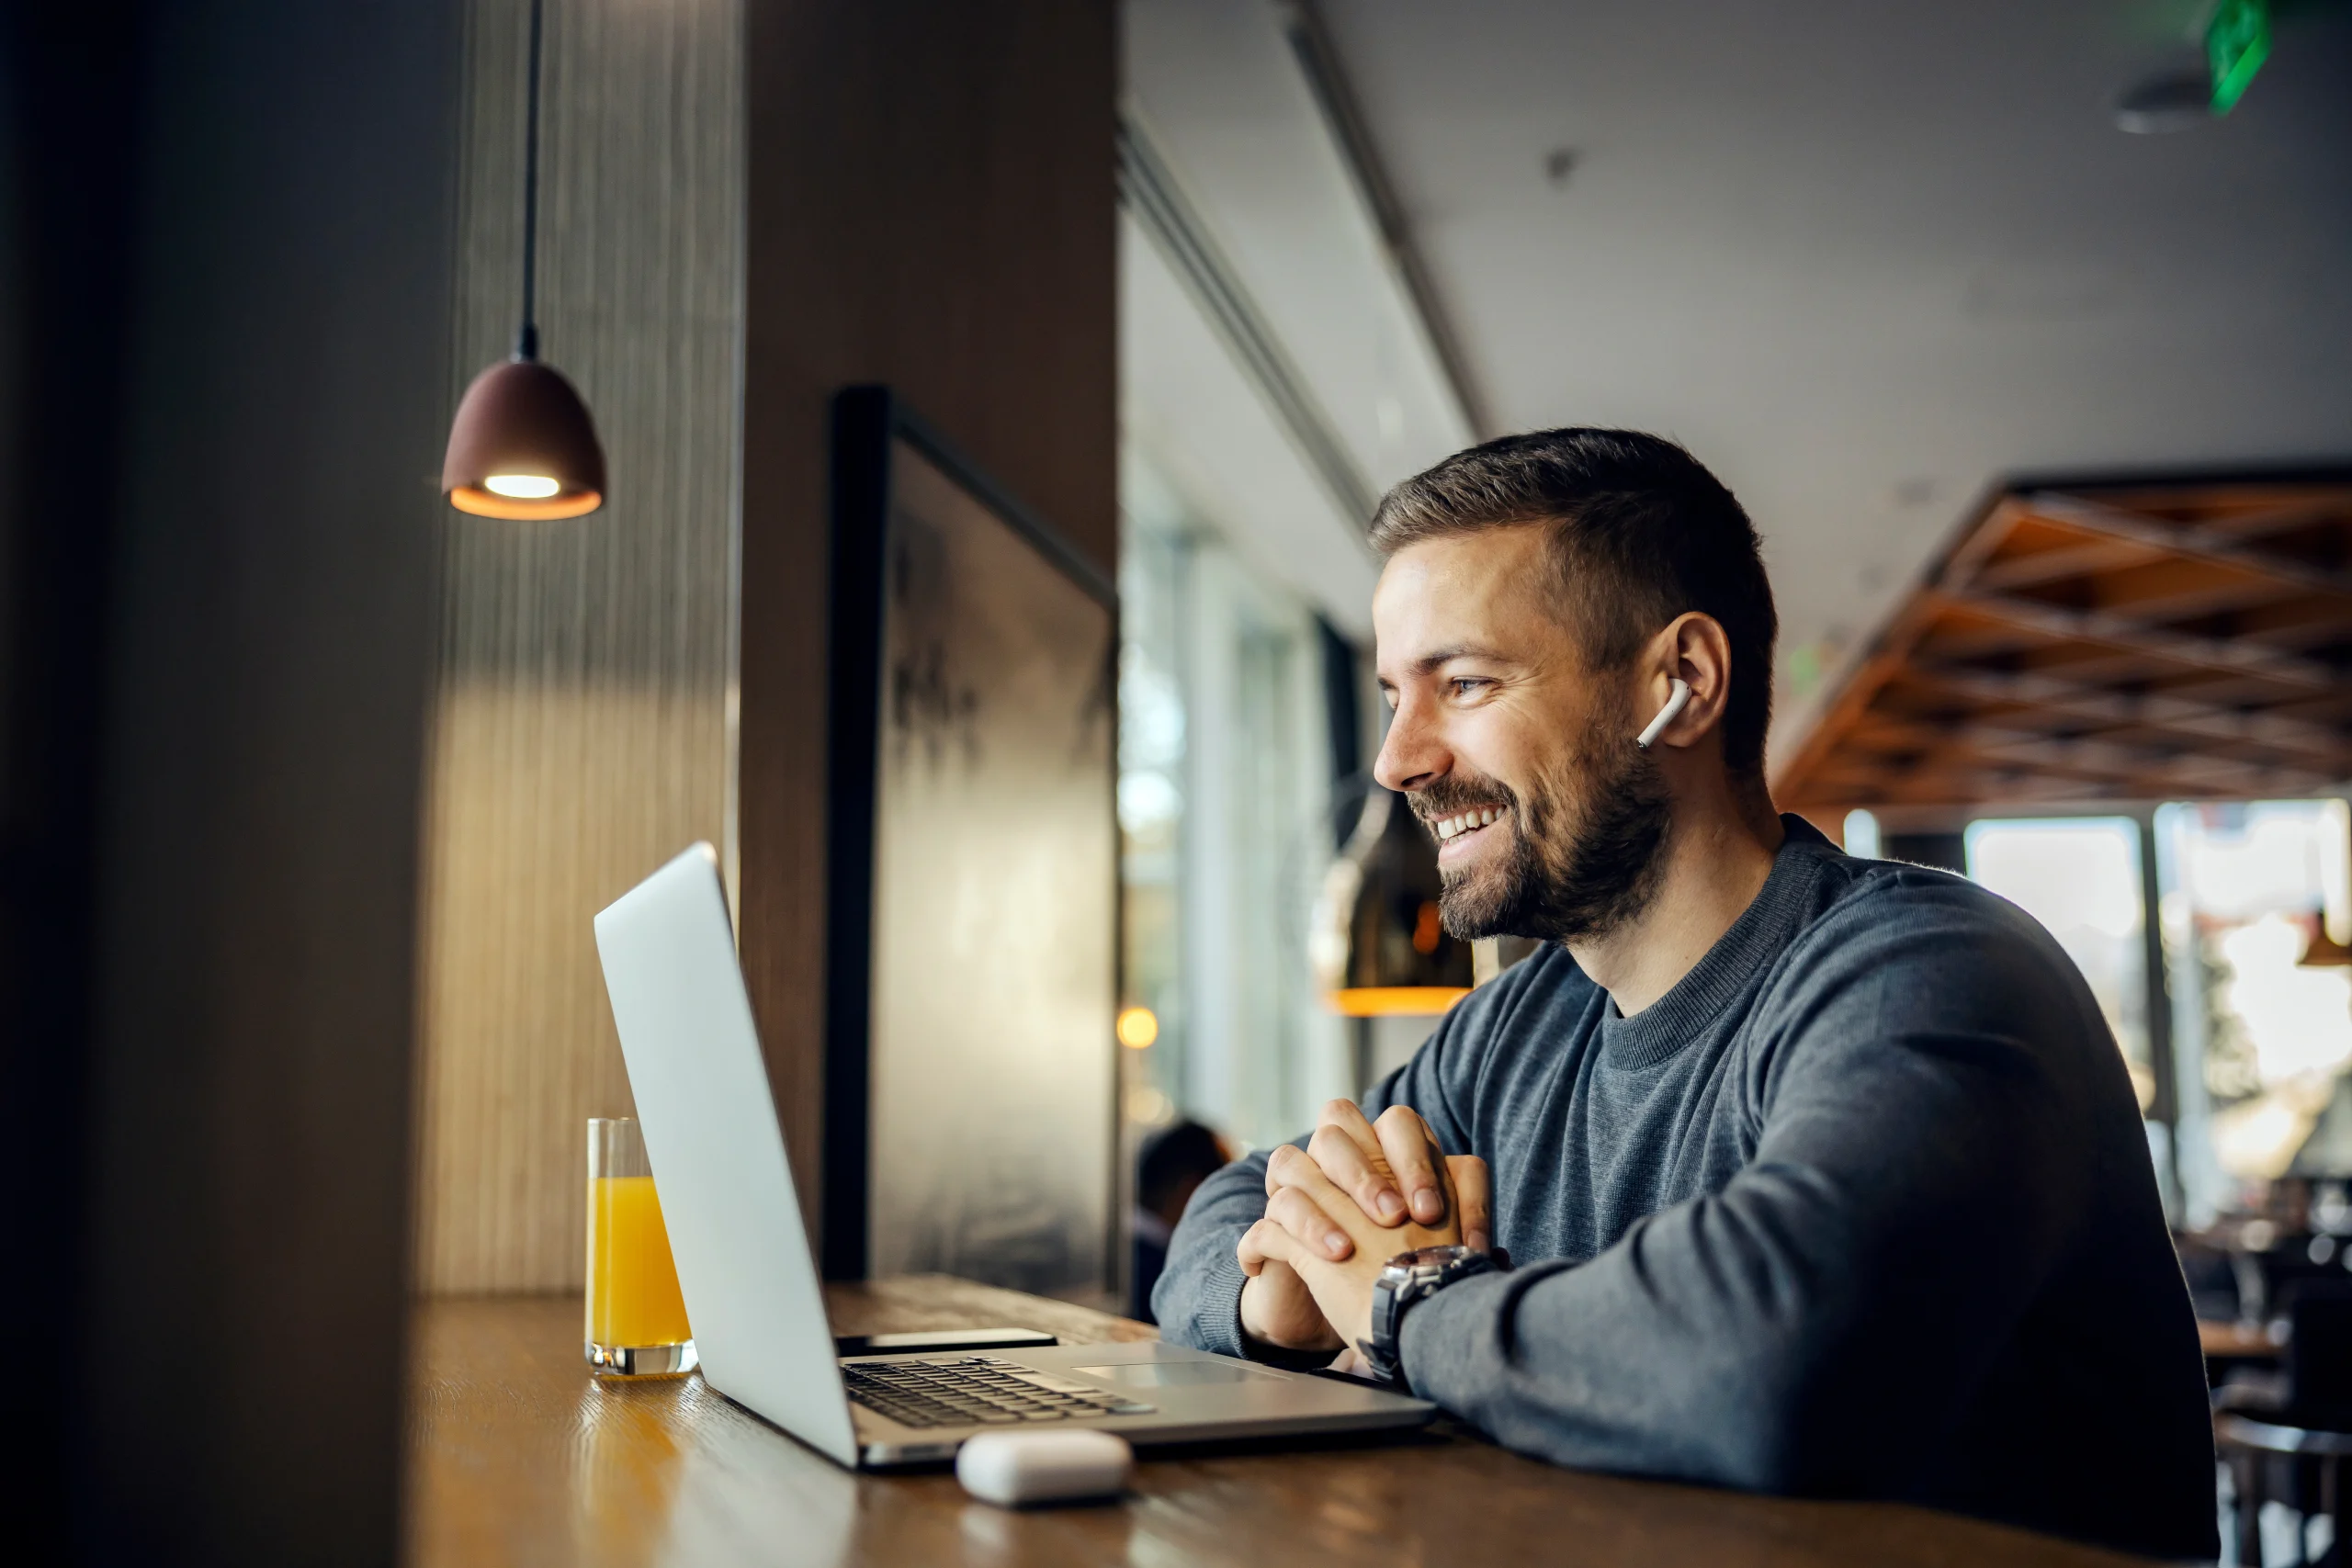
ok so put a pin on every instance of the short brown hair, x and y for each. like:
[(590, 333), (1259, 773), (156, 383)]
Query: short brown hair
[(1640, 533)]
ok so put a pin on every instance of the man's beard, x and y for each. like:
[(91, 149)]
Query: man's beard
[(1579, 863)]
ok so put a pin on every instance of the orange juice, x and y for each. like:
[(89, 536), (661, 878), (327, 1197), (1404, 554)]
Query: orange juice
[(632, 1285)]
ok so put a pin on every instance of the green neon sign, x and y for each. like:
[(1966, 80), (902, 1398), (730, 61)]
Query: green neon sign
[(2237, 40)]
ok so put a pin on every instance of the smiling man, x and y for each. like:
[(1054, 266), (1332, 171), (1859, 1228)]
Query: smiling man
[(1822, 1175)]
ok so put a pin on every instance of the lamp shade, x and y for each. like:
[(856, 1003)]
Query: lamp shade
[(523, 447), (1378, 946)]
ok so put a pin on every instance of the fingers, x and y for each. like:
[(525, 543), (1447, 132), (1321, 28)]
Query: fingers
[(1412, 1153), (1306, 1205), (1298, 1224), (1307, 1224), (1468, 1174), (1349, 1118), (1269, 1242), (1263, 1243), (1278, 1309), (1394, 1170), (1348, 1151)]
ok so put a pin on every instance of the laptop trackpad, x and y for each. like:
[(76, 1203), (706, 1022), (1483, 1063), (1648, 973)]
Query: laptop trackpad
[(1169, 1374)]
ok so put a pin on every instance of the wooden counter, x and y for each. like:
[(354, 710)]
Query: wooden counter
[(519, 1457)]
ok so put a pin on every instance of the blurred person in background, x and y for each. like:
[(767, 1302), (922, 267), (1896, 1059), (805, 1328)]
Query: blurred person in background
[(1170, 1168)]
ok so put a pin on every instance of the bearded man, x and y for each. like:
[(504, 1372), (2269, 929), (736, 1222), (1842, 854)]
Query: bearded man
[(1822, 1176)]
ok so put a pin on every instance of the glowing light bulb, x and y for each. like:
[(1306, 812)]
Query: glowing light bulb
[(1137, 1028), (520, 487)]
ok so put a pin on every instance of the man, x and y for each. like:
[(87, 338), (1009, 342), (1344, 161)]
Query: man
[(1822, 1176)]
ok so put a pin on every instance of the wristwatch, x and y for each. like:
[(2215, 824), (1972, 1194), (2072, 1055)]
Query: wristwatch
[(1408, 1276)]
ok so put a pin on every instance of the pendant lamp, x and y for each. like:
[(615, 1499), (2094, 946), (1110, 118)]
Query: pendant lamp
[(1377, 946), (522, 445)]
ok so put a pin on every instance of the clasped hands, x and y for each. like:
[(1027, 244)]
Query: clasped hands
[(1361, 1193)]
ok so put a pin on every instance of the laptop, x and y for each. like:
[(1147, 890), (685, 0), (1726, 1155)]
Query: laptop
[(750, 1284)]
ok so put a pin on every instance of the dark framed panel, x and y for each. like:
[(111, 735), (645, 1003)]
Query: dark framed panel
[(971, 973)]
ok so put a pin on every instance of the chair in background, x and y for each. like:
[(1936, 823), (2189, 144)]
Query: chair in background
[(2285, 1440)]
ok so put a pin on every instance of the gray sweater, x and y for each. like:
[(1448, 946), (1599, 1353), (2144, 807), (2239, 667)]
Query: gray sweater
[(1862, 1207)]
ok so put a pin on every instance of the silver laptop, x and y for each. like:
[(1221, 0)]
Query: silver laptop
[(750, 1284)]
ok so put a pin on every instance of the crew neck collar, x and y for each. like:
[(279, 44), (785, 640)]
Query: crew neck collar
[(1763, 929)]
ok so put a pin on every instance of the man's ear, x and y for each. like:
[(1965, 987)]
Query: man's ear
[(1692, 649)]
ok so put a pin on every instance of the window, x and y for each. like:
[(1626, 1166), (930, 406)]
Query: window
[(1225, 769), (1153, 1017), (2080, 877), (2255, 912)]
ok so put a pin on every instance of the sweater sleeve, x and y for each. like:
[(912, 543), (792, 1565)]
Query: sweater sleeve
[(1920, 1083), (1198, 1298)]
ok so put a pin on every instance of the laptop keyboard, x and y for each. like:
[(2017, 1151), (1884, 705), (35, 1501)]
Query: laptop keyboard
[(975, 1391)]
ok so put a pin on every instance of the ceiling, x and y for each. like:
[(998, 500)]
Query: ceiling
[(2103, 642), (1274, 374), (1868, 261)]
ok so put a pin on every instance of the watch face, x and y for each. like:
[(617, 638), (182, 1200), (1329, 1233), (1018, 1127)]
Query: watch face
[(1433, 1257)]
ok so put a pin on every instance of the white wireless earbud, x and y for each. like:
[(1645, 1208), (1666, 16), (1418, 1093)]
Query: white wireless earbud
[(1675, 704)]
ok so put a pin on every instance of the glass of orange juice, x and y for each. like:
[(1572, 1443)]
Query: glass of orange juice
[(637, 1319)]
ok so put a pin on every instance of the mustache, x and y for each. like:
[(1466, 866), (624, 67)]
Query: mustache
[(1451, 795)]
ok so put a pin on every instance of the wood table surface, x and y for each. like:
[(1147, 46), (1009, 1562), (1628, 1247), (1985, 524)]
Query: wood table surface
[(518, 1457)]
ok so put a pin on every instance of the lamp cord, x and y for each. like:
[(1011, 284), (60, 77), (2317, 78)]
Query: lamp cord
[(527, 342)]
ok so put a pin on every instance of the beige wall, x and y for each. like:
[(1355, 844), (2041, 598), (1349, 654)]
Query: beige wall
[(579, 731), (924, 195)]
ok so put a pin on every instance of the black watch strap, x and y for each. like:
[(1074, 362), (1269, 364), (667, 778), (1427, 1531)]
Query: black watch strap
[(1408, 1278)]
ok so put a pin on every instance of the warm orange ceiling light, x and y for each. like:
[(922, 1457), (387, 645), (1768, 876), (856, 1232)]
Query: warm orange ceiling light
[(1378, 945), (1396, 1001), (1137, 1028), (523, 445)]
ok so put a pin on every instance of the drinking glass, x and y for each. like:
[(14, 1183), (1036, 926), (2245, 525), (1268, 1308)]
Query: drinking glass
[(637, 1319)]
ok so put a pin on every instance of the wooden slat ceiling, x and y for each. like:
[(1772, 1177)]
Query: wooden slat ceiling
[(2180, 640)]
